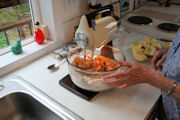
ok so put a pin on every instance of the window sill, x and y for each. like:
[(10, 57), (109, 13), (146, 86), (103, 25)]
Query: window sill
[(10, 62)]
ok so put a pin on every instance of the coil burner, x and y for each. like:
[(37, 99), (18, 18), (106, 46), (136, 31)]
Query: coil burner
[(140, 20), (170, 27)]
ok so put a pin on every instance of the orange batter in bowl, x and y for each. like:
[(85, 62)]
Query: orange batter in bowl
[(99, 63)]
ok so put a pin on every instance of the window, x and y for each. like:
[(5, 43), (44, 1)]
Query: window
[(15, 21), (55, 14)]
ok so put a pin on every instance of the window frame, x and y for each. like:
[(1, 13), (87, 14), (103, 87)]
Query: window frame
[(60, 32), (35, 16)]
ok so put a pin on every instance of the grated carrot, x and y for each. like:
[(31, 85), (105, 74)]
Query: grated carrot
[(99, 63)]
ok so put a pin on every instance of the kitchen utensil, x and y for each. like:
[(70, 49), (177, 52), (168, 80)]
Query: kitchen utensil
[(56, 66), (60, 54), (93, 33), (91, 80), (91, 36)]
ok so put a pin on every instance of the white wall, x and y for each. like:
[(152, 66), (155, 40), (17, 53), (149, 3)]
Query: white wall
[(61, 16), (46, 10), (73, 10)]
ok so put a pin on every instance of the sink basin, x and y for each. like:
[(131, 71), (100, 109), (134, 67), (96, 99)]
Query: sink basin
[(19, 100), (20, 106)]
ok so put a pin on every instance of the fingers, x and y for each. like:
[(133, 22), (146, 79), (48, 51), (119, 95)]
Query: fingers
[(110, 80), (115, 82), (154, 65), (123, 86), (118, 74), (155, 58), (125, 64), (159, 62), (120, 83), (160, 68)]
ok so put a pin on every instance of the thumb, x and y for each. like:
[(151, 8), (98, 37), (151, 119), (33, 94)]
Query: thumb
[(125, 64)]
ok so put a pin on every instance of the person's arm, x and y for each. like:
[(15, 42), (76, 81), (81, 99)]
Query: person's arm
[(135, 73), (165, 85)]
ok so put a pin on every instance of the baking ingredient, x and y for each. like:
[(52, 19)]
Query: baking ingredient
[(166, 45), (145, 48), (139, 55), (149, 50), (152, 42), (59, 53), (98, 63)]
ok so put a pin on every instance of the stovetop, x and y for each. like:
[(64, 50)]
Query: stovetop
[(158, 15), (154, 6), (151, 29)]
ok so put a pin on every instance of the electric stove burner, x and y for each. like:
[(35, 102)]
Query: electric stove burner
[(67, 83), (141, 20), (169, 27)]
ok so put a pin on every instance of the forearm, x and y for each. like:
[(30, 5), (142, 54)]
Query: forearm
[(165, 84)]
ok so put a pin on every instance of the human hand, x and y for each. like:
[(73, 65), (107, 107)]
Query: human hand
[(158, 58), (133, 73)]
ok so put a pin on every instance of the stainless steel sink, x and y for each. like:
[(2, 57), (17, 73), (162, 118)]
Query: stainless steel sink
[(20, 106), (19, 100)]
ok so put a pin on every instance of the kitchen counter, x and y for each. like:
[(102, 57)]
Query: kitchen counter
[(132, 103), (154, 6)]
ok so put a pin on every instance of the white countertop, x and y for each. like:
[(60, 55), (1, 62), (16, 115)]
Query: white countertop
[(133, 103), (154, 6)]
